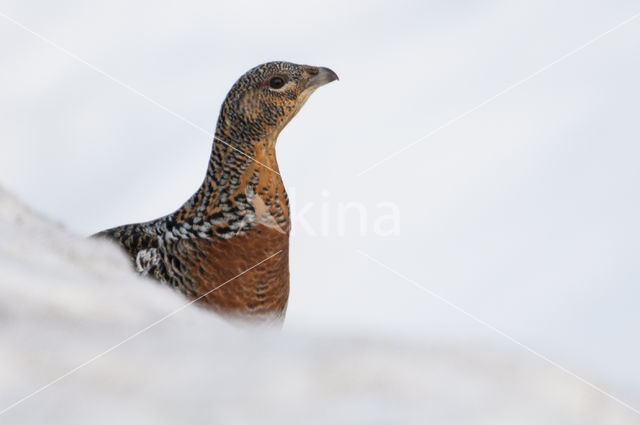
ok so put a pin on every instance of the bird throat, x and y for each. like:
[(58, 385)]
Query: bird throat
[(242, 189)]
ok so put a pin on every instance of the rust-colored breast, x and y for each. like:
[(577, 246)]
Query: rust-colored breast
[(238, 287)]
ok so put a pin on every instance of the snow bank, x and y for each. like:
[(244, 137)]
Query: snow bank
[(65, 300)]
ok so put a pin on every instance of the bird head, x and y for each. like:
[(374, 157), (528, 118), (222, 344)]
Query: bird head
[(263, 101)]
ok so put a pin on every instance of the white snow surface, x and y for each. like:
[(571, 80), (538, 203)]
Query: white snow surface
[(65, 300)]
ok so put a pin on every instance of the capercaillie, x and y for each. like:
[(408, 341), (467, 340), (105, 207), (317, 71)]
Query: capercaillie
[(227, 246)]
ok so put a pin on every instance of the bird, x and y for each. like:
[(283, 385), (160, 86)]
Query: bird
[(227, 246)]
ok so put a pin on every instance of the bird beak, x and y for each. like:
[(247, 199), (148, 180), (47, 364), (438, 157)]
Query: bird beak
[(324, 76)]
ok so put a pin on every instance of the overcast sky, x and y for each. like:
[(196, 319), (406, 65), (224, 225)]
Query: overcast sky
[(520, 206)]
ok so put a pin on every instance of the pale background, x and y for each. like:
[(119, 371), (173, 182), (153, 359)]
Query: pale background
[(524, 213)]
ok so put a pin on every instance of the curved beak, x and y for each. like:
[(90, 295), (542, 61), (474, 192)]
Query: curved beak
[(324, 76)]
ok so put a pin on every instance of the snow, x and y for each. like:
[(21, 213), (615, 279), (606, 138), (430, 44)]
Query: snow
[(65, 299)]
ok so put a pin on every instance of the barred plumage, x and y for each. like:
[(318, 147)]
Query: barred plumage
[(239, 217)]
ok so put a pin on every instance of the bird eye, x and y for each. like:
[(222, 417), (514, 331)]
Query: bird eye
[(276, 82)]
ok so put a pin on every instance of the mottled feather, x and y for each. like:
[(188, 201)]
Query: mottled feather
[(228, 245)]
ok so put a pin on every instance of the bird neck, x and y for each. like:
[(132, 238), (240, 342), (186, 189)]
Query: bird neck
[(242, 165), (242, 188)]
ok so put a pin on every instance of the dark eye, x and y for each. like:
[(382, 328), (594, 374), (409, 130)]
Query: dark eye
[(276, 82)]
